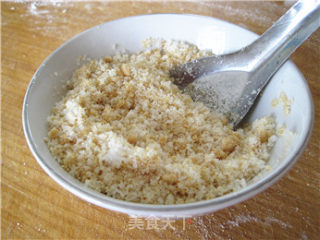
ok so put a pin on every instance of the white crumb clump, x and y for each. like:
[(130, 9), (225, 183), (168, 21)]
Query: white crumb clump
[(125, 130)]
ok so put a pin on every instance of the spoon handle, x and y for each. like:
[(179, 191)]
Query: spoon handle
[(274, 47)]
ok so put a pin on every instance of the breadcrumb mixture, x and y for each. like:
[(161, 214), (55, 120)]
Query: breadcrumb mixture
[(125, 130)]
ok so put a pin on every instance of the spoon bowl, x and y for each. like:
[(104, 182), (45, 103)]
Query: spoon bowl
[(231, 83)]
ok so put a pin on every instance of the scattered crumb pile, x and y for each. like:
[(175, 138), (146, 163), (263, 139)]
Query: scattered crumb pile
[(285, 101), (125, 130)]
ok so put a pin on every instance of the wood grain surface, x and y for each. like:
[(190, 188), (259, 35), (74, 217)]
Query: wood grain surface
[(35, 207)]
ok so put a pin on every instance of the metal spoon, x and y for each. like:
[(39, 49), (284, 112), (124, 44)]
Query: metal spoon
[(231, 83)]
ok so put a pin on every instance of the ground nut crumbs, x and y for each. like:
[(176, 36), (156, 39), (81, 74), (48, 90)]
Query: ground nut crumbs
[(125, 130)]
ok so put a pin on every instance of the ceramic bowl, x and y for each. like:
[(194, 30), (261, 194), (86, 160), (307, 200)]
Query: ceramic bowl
[(45, 90)]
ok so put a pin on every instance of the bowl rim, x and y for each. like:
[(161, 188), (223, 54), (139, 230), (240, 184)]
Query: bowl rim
[(172, 210)]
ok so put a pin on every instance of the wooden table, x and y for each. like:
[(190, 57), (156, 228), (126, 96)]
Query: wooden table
[(34, 206)]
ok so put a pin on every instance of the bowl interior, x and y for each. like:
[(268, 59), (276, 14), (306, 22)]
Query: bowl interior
[(46, 89)]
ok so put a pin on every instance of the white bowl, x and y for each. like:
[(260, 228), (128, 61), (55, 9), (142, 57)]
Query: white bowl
[(45, 90)]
